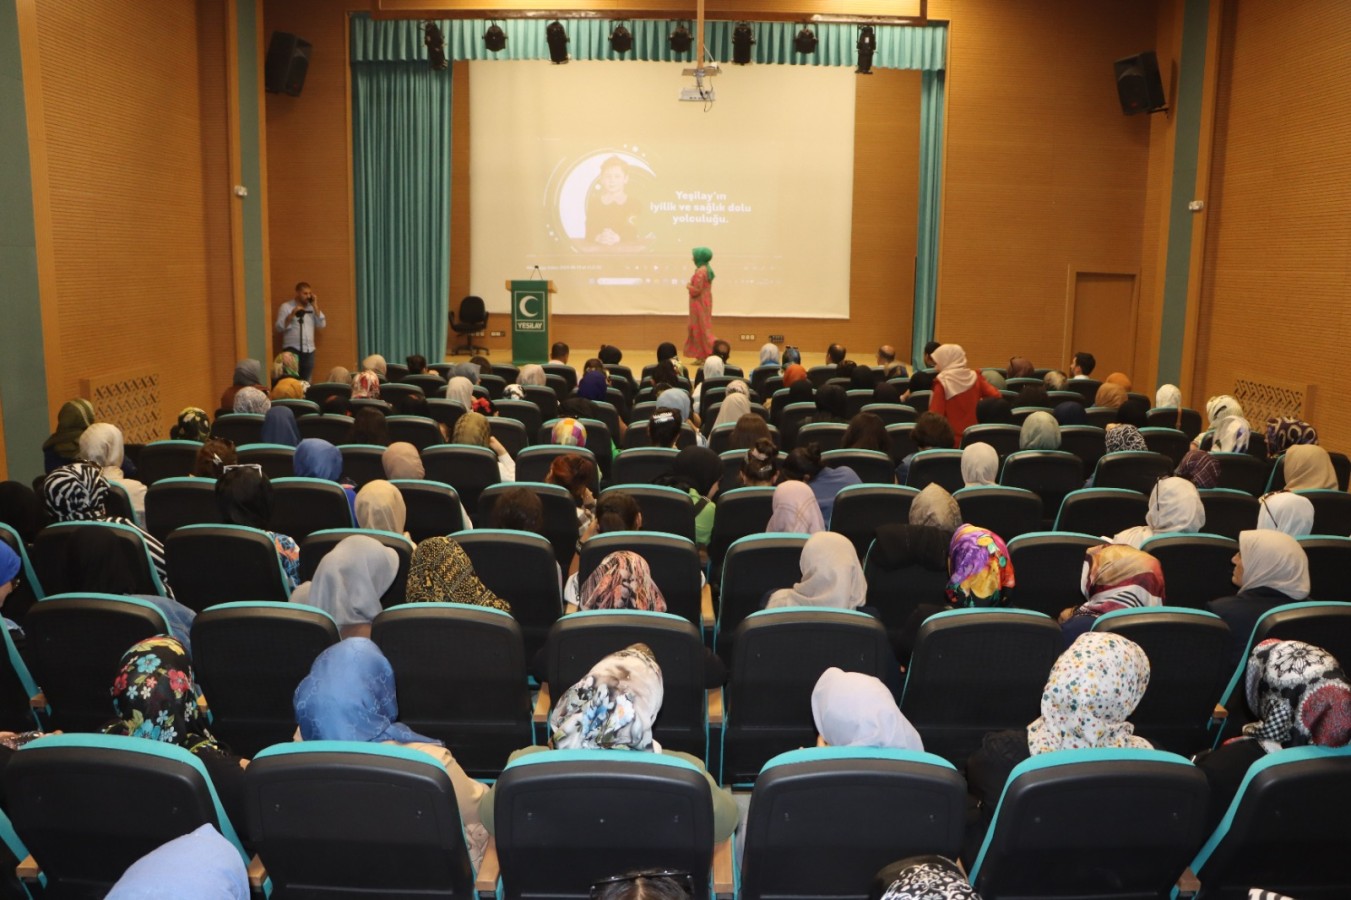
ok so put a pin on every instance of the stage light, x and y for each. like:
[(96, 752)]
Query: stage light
[(557, 38), (436, 46), (805, 42), (867, 46), (681, 42), (621, 40), (741, 43), (494, 39)]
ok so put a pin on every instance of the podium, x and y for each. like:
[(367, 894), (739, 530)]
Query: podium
[(529, 320)]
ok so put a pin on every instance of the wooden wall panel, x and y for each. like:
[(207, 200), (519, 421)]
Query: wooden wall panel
[(1278, 242)]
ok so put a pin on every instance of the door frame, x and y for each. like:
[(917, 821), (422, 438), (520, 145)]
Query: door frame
[(1067, 337)]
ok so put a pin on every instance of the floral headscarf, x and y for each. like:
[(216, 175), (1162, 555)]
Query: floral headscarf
[(1117, 576), (193, 425), (285, 365), (366, 385), (1094, 687), (1285, 432), (252, 400), (1300, 696), (1124, 437), (74, 417), (349, 696), (76, 493), (441, 572), (569, 432), (979, 568), (1200, 468), (613, 706), (155, 697), (621, 581)]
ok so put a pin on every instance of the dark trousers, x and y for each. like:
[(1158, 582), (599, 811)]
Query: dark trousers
[(306, 365)]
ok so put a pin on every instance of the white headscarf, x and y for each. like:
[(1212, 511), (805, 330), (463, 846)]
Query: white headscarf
[(713, 367), (953, 372), (1168, 397), (769, 355), (1220, 407), (980, 464), (831, 576), (735, 404), (1231, 435), (1174, 507), (795, 509), (1273, 559), (101, 444), (1286, 512), (856, 710), (461, 390), (380, 506), (1040, 431), (350, 579)]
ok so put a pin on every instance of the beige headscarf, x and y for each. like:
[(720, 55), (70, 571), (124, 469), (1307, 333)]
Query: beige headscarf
[(473, 429), (339, 375), (1040, 431), (1308, 466), (401, 460), (831, 576), (980, 465), (380, 506), (461, 390), (936, 508), (953, 372), (376, 363), (1273, 559)]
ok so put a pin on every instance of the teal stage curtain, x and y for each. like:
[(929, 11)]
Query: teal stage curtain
[(401, 157), (930, 210)]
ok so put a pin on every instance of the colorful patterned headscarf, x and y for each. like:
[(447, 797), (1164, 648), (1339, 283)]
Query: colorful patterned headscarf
[(1300, 696), (1200, 468), (1117, 576), (155, 697), (569, 432), (441, 572), (979, 568), (621, 581), (1231, 435), (1285, 432), (1094, 687), (366, 385), (1124, 437), (193, 425), (76, 493), (349, 696), (472, 429), (702, 257), (252, 400), (74, 417), (613, 706), (285, 365)]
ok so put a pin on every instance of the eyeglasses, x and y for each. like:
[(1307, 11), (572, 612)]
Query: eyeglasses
[(680, 878), (254, 466)]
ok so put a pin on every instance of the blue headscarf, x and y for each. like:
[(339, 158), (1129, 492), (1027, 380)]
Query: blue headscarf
[(676, 399), (1070, 413), (593, 386), (279, 427), (9, 563), (349, 696), (466, 370), (317, 458), (198, 864)]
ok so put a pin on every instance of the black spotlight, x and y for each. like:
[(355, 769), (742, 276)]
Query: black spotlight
[(867, 46), (495, 39), (436, 45), (805, 42), (741, 43), (621, 40), (557, 38), (681, 42)]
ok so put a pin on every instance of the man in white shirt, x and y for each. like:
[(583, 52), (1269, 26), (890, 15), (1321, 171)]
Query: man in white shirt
[(297, 320), (1082, 365)]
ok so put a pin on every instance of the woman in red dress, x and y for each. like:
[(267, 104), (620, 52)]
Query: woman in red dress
[(957, 389), (699, 339)]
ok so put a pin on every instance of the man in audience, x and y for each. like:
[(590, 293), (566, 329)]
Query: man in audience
[(886, 355), (835, 354), (558, 353), (1082, 366), (610, 355), (297, 320), (722, 349), (417, 365), (929, 349)]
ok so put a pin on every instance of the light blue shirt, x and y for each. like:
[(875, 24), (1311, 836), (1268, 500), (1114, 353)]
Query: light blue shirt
[(296, 333)]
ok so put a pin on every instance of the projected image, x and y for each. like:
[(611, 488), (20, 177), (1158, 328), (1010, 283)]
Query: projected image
[(601, 203)]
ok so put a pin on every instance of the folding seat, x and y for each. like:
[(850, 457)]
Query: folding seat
[(673, 560), (1228, 511), (522, 569), (75, 644), (780, 655), (579, 641), (891, 413), (754, 566), (1088, 442), (790, 420), (118, 501), (1007, 511), (1325, 624), (317, 545), (446, 412), (1003, 438), (394, 391), (637, 436), (564, 371), (1104, 511), (711, 394), (1331, 511), (871, 466), (1188, 652), (1341, 464), (759, 376), (1044, 843), (665, 510), (1197, 568), (277, 460), (861, 508), (87, 806), (469, 470), (494, 384), (506, 372), (433, 508), (318, 393), (642, 465), (641, 411), (822, 820), (597, 440), (420, 431), (778, 401), (166, 459), (394, 373), (210, 564), (897, 591), (1048, 567), (522, 411), (174, 502), (1242, 472), (920, 401), (533, 462), (444, 369), (49, 556), (1084, 387), (17, 690), (618, 370), (560, 515), (248, 658), (1189, 422), (326, 427), (1329, 561), (510, 433), (242, 428), (608, 412), (819, 375), (553, 809), (430, 385), (1135, 470), (1017, 384), (1100, 416), (461, 676), (902, 441), (975, 671), (363, 463), (1050, 474), (943, 467), (741, 512), (855, 400), (1168, 441), (303, 506), (1020, 413), (544, 399)]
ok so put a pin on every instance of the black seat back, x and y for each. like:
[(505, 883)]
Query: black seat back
[(1331, 511), (210, 564), (1048, 567), (1088, 442), (433, 508), (1135, 470), (643, 465), (1099, 510), (1329, 560), (665, 510), (1050, 474), (52, 564), (871, 466), (943, 467), (1188, 421), (242, 428), (1003, 438), (754, 566), (520, 568), (1171, 442), (1197, 568), (560, 515), (277, 460), (306, 505), (467, 469), (420, 431), (1229, 511), (741, 512), (326, 427), (1242, 472), (861, 508), (363, 463), (177, 501), (166, 459), (533, 463), (1007, 511)]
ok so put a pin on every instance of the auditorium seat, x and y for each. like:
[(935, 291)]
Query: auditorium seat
[(871, 466), (1242, 472), (819, 375), (902, 441), (277, 460), (433, 508), (1088, 442), (791, 419), (637, 436), (943, 467), (1189, 422), (166, 459), (29, 591), (494, 384), (741, 512), (891, 413), (1134, 470), (1100, 416), (1103, 511), (895, 593), (1020, 413), (467, 469), (754, 566), (446, 412), (50, 556), (644, 465), (520, 568), (523, 411), (664, 509), (1197, 568), (560, 515), (18, 688), (608, 412), (396, 390), (363, 463), (318, 545), (303, 506), (597, 440), (241, 428), (673, 561), (326, 427), (431, 385), (861, 508), (1331, 511), (420, 431), (1329, 561), (1007, 511), (564, 371), (321, 391), (855, 400), (1168, 441), (1050, 474), (1229, 511), (544, 398), (174, 502), (534, 462), (210, 564), (1048, 567), (919, 400), (1003, 438), (1086, 388), (510, 433)]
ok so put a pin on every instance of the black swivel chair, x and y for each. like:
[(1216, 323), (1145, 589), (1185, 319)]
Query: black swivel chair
[(473, 317)]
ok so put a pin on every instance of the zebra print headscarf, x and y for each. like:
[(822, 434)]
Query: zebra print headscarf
[(76, 493)]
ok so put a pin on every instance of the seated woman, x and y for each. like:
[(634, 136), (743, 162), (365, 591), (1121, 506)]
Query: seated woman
[(979, 568), (1040, 431), (804, 464), (349, 582), (200, 863), (760, 468), (678, 401), (1308, 467), (1200, 468), (698, 472), (349, 695), (193, 424), (613, 708), (381, 507), (1299, 697), (366, 385), (1284, 432), (1123, 437), (832, 405), (931, 432), (317, 458), (252, 400), (473, 430), (101, 444), (368, 427), (922, 878), (980, 465), (63, 445), (1116, 576), (244, 497), (856, 710), (575, 474), (622, 580), (288, 389), (1174, 508), (1287, 512), (402, 460), (279, 427), (1270, 569), (664, 427), (248, 373), (285, 365), (735, 404), (441, 572), (214, 455), (794, 510), (866, 431), (616, 511)]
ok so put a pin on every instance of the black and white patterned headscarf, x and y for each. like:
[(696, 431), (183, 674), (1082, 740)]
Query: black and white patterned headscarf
[(1300, 696), (77, 492), (928, 878)]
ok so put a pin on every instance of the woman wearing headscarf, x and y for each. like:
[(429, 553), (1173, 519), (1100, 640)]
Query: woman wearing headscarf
[(1070, 413), (613, 707), (698, 471), (1200, 468), (441, 572), (212, 458), (1286, 512), (461, 390), (252, 400), (677, 400), (769, 355), (794, 373), (200, 863), (922, 878), (1114, 577), (1308, 467), (957, 389), (1110, 395), (339, 375), (102, 445), (795, 510), (622, 580), (851, 709), (699, 334), (1284, 432), (1040, 431), (1299, 697), (317, 458), (349, 582), (366, 386), (472, 429), (1168, 397), (350, 695), (980, 465), (63, 445), (979, 568), (155, 697), (936, 508), (593, 385), (193, 424), (1054, 380), (376, 363), (1119, 378), (244, 497), (288, 389), (279, 427), (1221, 407), (826, 482), (401, 460), (285, 365), (831, 576), (1174, 508), (994, 411), (1270, 569), (1120, 438), (248, 373), (531, 374), (381, 507), (735, 404), (712, 368), (1231, 435), (1021, 367), (995, 377)]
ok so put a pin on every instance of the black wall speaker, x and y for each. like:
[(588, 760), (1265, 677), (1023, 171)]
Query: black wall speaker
[(1138, 85), (288, 58)]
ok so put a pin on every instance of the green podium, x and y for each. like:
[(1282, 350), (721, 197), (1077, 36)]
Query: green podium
[(529, 321)]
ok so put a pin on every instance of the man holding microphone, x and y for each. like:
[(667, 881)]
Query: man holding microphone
[(296, 321)]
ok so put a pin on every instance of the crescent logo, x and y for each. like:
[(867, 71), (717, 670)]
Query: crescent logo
[(524, 310)]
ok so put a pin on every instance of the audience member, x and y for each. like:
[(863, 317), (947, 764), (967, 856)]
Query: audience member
[(1270, 569), (1174, 508), (794, 510), (749, 430), (381, 507), (980, 465), (1200, 468), (851, 709), (193, 424), (349, 582), (760, 468), (1115, 576), (96, 562), (698, 471), (957, 389), (63, 446), (101, 444), (622, 580), (866, 431), (401, 460), (516, 509), (244, 497), (835, 354), (1082, 365), (248, 373), (252, 400), (1021, 367), (473, 430), (804, 464), (1283, 511), (931, 432), (441, 572), (994, 411), (1110, 395), (1040, 431), (1309, 467), (317, 458), (980, 571), (1168, 397), (279, 427), (213, 457)]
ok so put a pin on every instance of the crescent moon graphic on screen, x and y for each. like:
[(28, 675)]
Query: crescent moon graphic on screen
[(523, 309)]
